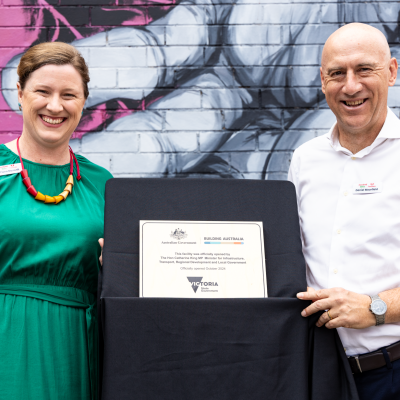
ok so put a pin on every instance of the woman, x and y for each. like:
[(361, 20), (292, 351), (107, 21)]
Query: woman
[(50, 224)]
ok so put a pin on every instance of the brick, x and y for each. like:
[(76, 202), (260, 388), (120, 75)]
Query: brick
[(100, 159), (333, 13), (98, 40), (291, 13), (394, 97), (291, 140), (217, 163), (193, 120), (268, 140), (279, 161), (10, 122), (114, 16), (74, 15), (181, 15), (305, 76), (110, 142), (8, 137), (230, 98), (389, 12), (176, 56), (289, 97), (140, 163), (262, 76), (241, 55), (312, 119), (186, 35), (11, 97), (15, 16), (99, 96), (9, 78), (130, 37), (102, 78), (276, 176), (361, 12), (168, 142), (138, 77), (248, 162), (307, 34), (246, 14), (255, 119), (138, 121), (240, 141), (86, 2), (75, 145), (17, 37), (211, 141), (26, 2), (179, 99), (254, 34), (292, 55), (117, 57)]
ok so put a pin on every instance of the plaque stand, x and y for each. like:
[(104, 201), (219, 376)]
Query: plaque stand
[(212, 349)]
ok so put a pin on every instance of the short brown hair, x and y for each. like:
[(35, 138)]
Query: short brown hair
[(52, 53)]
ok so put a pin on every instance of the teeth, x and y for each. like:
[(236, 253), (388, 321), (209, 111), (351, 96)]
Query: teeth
[(354, 103), (52, 121)]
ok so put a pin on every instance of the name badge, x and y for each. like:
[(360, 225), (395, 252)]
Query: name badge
[(10, 169), (367, 188)]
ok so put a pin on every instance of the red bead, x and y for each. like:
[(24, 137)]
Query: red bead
[(27, 182), (24, 173), (31, 190)]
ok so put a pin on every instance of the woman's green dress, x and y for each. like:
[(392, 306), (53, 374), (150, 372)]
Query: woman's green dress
[(48, 282)]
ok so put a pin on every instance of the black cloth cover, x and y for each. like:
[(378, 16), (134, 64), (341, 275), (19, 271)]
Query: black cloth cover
[(212, 349)]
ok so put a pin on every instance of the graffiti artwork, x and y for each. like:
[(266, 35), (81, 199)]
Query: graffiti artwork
[(190, 88)]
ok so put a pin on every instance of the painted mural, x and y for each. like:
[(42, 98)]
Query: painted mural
[(195, 88)]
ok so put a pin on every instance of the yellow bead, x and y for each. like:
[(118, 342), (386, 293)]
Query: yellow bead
[(58, 198), (64, 194), (68, 188), (70, 180), (40, 196), (49, 199)]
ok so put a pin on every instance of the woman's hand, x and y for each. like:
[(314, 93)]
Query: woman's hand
[(101, 243)]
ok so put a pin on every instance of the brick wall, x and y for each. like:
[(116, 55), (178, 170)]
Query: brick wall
[(190, 88)]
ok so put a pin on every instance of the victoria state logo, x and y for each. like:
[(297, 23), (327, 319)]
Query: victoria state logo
[(178, 234), (196, 281)]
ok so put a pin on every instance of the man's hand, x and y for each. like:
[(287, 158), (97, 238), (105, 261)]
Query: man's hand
[(347, 309)]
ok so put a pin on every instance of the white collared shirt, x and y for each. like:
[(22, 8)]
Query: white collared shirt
[(351, 237)]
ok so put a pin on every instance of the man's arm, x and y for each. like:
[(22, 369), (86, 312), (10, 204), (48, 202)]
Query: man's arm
[(348, 309)]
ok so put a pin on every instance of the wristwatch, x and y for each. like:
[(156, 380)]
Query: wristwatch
[(378, 307)]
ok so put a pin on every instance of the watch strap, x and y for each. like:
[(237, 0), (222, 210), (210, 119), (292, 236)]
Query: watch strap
[(380, 319)]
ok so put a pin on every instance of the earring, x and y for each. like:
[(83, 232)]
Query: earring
[(82, 112), (20, 106)]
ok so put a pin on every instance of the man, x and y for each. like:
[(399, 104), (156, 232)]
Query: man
[(348, 189)]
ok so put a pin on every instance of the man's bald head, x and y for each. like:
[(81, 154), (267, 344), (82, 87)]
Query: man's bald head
[(356, 37), (356, 72)]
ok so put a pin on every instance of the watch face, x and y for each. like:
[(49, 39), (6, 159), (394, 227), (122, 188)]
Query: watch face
[(378, 307)]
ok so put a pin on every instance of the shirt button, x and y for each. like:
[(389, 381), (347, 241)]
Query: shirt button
[(344, 348), (339, 231), (345, 193), (354, 158), (335, 271)]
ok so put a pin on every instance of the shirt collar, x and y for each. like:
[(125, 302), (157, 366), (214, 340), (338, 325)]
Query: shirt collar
[(390, 130)]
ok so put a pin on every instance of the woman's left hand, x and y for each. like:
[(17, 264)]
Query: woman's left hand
[(101, 243)]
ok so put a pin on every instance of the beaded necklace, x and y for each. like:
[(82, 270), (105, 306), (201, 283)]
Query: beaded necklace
[(51, 199)]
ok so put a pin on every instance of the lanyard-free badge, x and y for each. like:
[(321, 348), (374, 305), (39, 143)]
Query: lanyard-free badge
[(367, 188), (10, 169)]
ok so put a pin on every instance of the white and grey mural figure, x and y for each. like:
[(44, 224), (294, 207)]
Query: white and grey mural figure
[(203, 88)]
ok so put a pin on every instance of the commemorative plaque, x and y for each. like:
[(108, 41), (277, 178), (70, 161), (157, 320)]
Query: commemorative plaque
[(202, 259)]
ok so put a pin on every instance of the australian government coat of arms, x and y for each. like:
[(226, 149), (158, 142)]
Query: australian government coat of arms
[(178, 234)]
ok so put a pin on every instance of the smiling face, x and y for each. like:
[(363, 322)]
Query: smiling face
[(356, 72), (52, 103)]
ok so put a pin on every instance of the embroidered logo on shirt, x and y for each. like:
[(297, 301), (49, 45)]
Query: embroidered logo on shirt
[(367, 188)]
